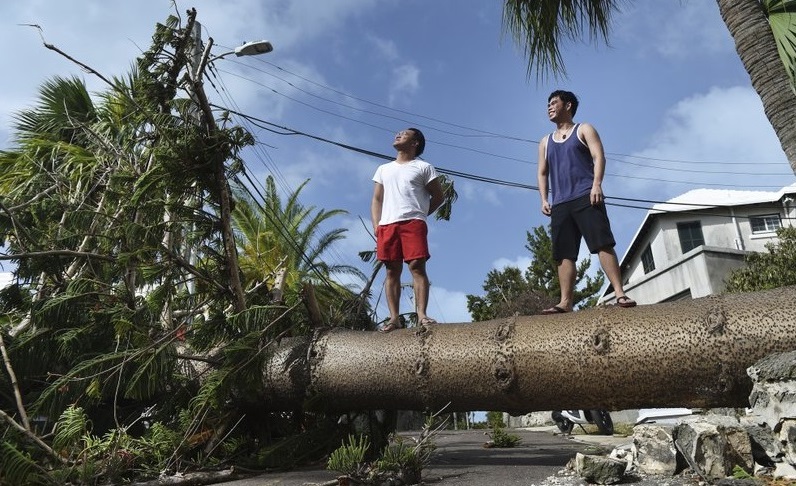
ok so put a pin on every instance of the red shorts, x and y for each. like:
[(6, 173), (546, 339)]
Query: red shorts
[(404, 240)]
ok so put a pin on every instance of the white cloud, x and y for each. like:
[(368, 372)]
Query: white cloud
[(695, 26), (726, 124), (521, 262), (108, 37), (386, 48), (5, 279), (477, 192), (448, 305), (405, 81), (358, 237), (444, 305), (691, 30), (721, 137), (293, 22)]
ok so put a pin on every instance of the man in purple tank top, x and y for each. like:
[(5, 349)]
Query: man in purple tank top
[(572, 166)]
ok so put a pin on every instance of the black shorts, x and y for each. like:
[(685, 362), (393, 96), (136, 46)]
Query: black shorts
[(572, 220)]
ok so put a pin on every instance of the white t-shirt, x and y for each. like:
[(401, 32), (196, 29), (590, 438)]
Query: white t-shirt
[(405, 193)]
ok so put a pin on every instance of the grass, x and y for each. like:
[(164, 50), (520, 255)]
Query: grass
[(620, 429)]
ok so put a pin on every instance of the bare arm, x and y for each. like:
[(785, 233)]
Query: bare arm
[(435, 189), (592, 140), (376, 205), (541, 175)]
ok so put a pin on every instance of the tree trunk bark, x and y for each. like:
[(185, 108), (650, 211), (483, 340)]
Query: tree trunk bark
[(757, 48), (686, 353)]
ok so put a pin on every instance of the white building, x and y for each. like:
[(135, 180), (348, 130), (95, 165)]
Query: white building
[(5, 279), (686, 247)]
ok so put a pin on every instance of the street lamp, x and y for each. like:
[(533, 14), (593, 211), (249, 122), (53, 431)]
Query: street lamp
[(248, 49)]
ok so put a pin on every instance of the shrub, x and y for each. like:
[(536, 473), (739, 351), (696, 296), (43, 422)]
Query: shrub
[(349, 458), (500, 438)]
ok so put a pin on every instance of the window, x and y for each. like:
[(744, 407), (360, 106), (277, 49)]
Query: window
[(765, 224), (690, 235), (684, 295), (647, 261)]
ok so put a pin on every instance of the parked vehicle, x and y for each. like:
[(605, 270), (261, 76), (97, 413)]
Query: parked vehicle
[(662, 415), (566, 420)]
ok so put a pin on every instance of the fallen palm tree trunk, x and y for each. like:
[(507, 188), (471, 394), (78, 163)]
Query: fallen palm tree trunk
[(687, 353)]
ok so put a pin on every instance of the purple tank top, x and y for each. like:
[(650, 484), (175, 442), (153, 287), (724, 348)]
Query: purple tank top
[(571, 168)]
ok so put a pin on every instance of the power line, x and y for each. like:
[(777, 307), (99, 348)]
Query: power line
[(528, 162), (277, 223), (290, 131), (481, 133)]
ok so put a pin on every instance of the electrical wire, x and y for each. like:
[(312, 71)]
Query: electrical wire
[(277, 223), (285, 131), (479, 132), (527, 162), (290, 131)]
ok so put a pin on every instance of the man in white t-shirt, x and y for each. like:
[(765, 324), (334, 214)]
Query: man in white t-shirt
[(406, 191)]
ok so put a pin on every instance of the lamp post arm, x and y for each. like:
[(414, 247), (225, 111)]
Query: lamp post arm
[(200, 69)]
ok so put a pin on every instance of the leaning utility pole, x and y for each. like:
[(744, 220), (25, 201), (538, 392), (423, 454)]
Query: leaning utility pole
[(219, 172)]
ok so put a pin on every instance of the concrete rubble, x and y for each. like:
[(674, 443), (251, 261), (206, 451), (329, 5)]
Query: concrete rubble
[(762, 442), (598, 469), (716, 448)]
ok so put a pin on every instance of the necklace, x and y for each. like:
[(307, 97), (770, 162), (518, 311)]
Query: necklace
[(564, 134)]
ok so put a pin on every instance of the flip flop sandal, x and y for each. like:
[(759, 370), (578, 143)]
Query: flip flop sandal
[(625, 301), (389, 327), (554, 310)]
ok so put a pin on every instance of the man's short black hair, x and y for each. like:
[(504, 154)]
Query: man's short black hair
[(420, 139), (566, 97)]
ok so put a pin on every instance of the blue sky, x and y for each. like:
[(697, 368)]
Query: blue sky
[(671, 101)]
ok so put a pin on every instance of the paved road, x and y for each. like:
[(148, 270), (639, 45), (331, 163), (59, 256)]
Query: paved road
[(461, 460)]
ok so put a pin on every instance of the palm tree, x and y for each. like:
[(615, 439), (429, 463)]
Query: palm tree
[(686, 353), (100, 201), (513, 364), (282, 245), (764, 34)]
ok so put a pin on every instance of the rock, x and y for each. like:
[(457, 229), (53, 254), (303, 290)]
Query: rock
[(787, 438), (766, 449), (654, 449), (774, 367), (598, 469), (713, 445), (625, 453), (773, 396)]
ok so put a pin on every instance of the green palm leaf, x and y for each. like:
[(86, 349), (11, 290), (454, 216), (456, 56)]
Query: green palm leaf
[(285, 236), (539, 26), (782, 18), (18, 467)]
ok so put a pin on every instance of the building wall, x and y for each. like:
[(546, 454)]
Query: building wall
[(698, 273), (757, 242), (731, 230)]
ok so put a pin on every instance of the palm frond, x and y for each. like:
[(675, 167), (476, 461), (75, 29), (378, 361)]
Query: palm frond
[(18, 467), (782, 19), (72, 425), (255, 318), (449, 197), (540, 26), (150, 372)]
